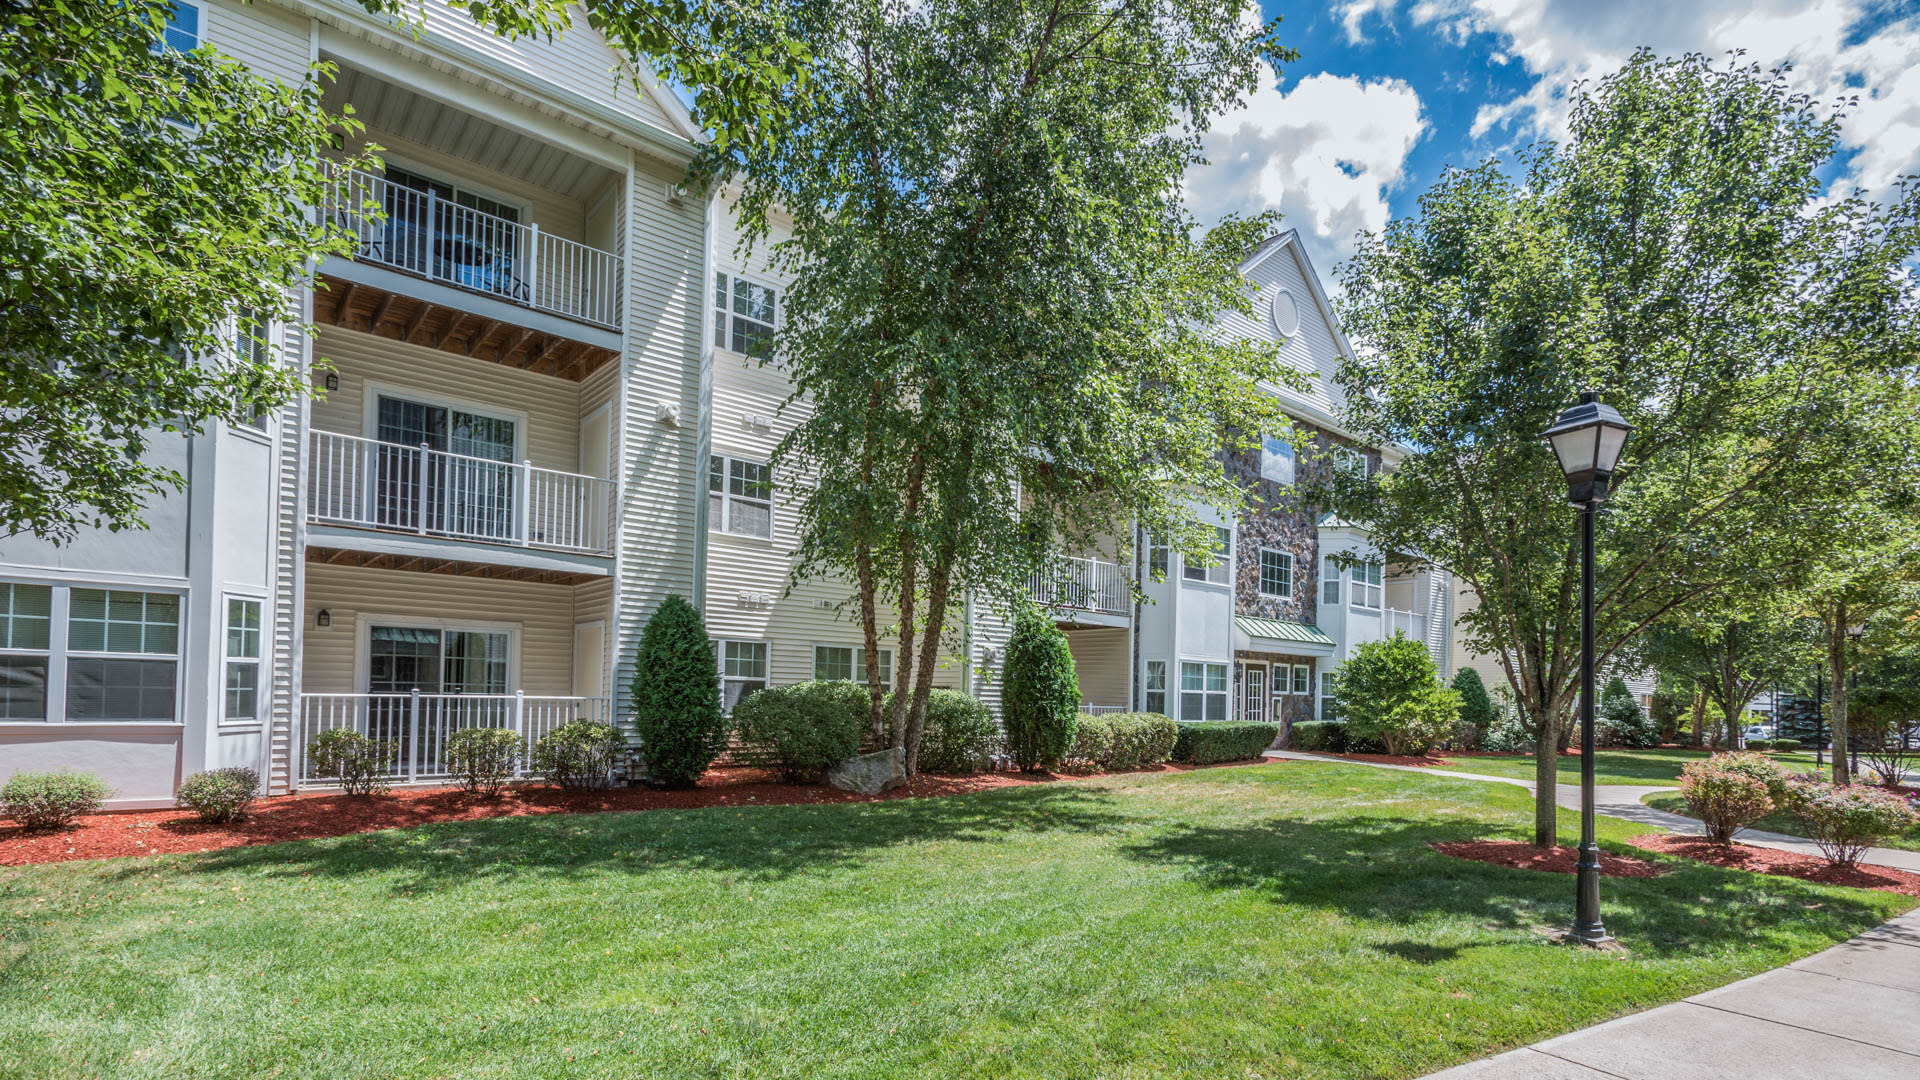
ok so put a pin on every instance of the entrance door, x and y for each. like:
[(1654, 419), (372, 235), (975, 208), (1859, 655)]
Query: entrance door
[(1253, 687), (466, 488)]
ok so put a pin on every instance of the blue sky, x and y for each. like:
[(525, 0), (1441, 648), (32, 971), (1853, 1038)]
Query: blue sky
[(1389, 92)]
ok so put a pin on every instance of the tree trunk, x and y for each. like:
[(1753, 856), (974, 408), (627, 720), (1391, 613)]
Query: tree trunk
[(908, 594), (1546, 779), (1837, 671)]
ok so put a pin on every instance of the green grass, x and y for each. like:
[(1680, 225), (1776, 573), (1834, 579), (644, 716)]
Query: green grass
[(1271, 921), (1610, 766), (1779, 821)]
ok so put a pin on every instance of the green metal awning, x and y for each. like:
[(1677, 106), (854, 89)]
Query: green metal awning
[(1298, 633)]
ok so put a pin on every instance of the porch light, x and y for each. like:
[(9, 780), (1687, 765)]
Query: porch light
[(1588, 439), (332, 381), (324, 618)]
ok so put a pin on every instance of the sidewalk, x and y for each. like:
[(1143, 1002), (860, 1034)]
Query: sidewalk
[(1849, 1013), (1623, 801)]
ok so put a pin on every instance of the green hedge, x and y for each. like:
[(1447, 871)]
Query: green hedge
[(804, 729), (1124, 740), (1786, 744), (1320, 736), (960, 735), (1204, 743)]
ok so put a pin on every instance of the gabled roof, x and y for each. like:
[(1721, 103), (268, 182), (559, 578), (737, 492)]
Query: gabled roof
[(1289, 242)]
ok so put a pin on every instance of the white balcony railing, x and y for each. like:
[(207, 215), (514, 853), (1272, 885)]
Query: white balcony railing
[(1412, 622), (1102, 710), (416, 726), (415, 489), (424, 233), (1083, 585)]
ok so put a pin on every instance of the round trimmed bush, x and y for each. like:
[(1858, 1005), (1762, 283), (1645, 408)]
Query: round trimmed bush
[(51, 800), (960, 735), (220, 795), (1124, 740), (1786, 744), (578, 756), (1477, 714), (1040, 701), (676, 696), (1848, 819), (361, 766), (1320, 736), (483, 758), (804, 729), (1390, 691), (1620, 721)]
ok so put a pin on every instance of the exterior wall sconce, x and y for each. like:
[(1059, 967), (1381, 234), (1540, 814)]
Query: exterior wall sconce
[(324, 618), (333, 381)]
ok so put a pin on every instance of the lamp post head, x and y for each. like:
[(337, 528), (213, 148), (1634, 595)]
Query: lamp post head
[(1587, 439)]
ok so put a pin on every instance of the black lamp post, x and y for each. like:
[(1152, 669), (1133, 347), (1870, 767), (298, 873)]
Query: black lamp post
[(1587, 439)]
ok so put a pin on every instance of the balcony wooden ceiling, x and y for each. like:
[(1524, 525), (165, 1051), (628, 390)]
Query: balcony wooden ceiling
[(459, 568), (398, 317)]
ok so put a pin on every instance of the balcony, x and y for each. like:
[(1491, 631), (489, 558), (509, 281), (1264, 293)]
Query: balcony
[(1412, 623), (1082, 584), (417, 725), (428, 236), (420, 491)]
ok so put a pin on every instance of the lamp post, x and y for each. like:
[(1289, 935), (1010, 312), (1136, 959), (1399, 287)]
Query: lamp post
[(1587, 439)]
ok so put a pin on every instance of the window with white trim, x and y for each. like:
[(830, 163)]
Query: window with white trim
[(743, 671), (1367, 588), (1348, 460), (1329, 705), (122, 656), (243, 661), (849, 663), (1203, 691), (1330, 581), (744, 315), (1276, 573), (1213, 568), (252, 346), (1159, 557), (740, 496), (1302, 680), (182, 33), (1156, 698), (1276, 460), (26, 637)]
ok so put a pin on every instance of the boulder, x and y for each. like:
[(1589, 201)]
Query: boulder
[(870, 774)]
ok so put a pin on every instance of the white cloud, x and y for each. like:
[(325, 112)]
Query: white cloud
[(1325, 154), (1353, 14)]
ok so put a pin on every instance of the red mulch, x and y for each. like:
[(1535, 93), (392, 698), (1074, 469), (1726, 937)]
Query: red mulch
[(1761, 860), (318, 814), (1557, 860)]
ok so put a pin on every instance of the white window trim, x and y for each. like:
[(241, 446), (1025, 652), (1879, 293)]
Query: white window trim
[(713, 305), (259, 662), (720, 663), (363, 642), (1325, 707), (1226, 692), (1260, 582), (1300, 673), (271, 331), (1359, 590), (1224, 565), (724, 524), (59, 651), (1248, 699), (1147, 688), (200, 33), (372, 390), (859, 658), (1330, 576)]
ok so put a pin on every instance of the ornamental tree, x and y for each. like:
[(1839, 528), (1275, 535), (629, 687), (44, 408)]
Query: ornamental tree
[(1680, 254), (1730, 660), (1000, 308), (1390, 691)]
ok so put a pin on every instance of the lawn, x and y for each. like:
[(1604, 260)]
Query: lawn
[(1779, 822), (1609, 766), (1278, 920)]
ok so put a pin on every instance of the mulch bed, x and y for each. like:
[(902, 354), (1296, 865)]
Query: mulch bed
[(1761, 860), (307, 816), (1555, 860)]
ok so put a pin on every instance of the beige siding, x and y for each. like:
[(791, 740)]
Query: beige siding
[(553, 212), (1312, 351), (548, 408), (1100, 661), (541, 615), (269, 39)]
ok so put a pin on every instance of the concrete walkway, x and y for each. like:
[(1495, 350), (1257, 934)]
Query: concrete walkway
[(1849, 1013), (1623, 801)]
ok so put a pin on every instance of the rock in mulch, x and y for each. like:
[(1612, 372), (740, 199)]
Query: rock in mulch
[(1554, 860), (870, 774), (1761, 860)]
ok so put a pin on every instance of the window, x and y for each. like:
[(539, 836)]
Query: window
[(847, 662), (1367, 589), (183, 28), (743, 670), (1276, 460), (243, 660), (26, 624), (1302, 680), (1276, 573), (252, 346), (123, 651), (1203, 691), (743, 315), (1158, 556), (436, 661), (1157, 687), (1213, 569), (1329, 707), (740, 497), (1330, 581), (1348, 460)]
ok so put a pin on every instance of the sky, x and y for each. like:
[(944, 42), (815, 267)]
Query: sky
[(1387, 93)]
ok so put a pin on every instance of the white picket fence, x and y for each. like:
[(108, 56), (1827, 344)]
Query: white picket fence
[(418, 725)]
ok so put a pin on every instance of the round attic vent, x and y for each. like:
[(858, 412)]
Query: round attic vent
[(1286, 317)]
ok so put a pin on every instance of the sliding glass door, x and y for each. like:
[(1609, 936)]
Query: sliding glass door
[(461, 484)]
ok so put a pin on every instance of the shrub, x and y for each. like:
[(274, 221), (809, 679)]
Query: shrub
[(1725, 797), (360, 765), (51, 800), (483, 758), (1477, 714), (577, 755), (1759, 744), (1321, 736), (1507, 735), (1786, 744), (1040, 699), (960, 735), (1620, 721), (1759, 767), (1222, 740), (1390, 691), (1125, 740), (676, 696), (220, 795), (804, 729), (1847, 820)]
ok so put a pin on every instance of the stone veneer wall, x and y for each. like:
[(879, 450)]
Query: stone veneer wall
[(1277, 519)]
